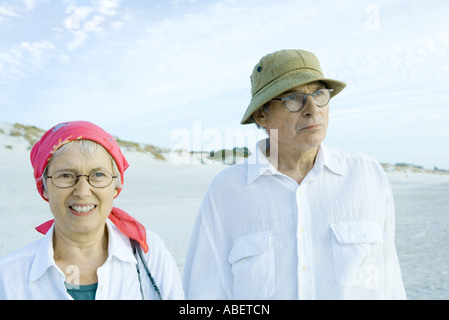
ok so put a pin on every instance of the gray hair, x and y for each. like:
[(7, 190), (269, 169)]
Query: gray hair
[(89, 148), (266, 108)]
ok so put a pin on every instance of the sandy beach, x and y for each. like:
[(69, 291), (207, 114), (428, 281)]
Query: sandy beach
[(165, 198), (422, 233)]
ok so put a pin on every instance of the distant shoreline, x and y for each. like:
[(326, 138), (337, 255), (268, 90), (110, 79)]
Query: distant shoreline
[(31, 134)]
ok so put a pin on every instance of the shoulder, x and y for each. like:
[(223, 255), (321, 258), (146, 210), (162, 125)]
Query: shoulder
[(15, 268), (230, 177), (233, 172), (350, 155), (154, 241), (350, 160), (159, 258), (21, 255), (163, 268), (157, 249)]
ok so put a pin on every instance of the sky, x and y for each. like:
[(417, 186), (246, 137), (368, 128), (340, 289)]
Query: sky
[(176, 74)]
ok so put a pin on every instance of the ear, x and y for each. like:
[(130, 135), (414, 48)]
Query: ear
[(260, 117), (116, 192), (45, 193)]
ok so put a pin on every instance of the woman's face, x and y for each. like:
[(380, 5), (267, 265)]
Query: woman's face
[(81, 208)]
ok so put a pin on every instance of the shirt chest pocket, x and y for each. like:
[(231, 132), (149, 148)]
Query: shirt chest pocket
[(252, 260), (357, 249)]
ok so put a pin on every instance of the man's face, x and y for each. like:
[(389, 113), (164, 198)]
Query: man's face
[(296, 131)]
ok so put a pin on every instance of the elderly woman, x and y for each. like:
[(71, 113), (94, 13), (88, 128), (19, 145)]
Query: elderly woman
[(79, 170)]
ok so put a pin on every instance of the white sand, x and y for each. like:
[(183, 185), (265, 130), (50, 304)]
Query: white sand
[(422, 233), (165, 198)]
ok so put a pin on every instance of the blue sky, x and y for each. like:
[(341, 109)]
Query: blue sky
[(176, 73)]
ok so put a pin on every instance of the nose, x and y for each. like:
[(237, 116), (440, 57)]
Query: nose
[(310, 108), (82, 187)]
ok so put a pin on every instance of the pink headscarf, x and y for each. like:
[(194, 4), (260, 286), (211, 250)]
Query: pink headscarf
[(65, 132)]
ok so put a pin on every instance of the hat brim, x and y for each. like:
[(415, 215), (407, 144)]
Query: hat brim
[(285, 83)]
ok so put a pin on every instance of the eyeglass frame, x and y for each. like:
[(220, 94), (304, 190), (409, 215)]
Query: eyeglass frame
[(82, 175), (305, 95)]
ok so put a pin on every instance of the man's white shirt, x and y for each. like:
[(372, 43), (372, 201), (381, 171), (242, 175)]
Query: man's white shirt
[(261, 235)]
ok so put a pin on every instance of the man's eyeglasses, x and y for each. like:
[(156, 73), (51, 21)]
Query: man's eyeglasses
[(296, 101), (66, 178)]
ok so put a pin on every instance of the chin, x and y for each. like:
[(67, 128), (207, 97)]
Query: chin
[(312, 139)]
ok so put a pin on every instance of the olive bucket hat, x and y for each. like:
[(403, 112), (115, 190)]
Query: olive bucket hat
[(284, 70)]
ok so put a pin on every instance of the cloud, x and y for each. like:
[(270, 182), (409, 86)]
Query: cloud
[(28, 57), (37, 49), (76, 15), (84, 21), (206, 52), (107, 7), (80, 23), (170, 63), (30, 4), (17, 9), (8, 11)]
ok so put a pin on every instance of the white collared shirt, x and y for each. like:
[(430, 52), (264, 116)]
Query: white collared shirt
[(31, 272), (261, 235)]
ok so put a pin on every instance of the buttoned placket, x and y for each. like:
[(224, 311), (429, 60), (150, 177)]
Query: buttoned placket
[(103, 274), (301, 244), (305, 250)]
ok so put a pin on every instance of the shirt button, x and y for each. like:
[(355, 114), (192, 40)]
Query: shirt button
[(304, 268), (302, 229)]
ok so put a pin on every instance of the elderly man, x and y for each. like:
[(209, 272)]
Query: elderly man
[(297, 220)]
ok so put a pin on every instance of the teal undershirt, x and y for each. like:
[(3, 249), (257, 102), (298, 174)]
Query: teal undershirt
[(82, 292)]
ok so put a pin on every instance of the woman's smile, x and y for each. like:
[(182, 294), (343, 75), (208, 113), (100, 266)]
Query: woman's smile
[(82, 210)]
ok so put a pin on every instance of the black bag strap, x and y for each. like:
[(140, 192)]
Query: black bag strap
[(137, 251)]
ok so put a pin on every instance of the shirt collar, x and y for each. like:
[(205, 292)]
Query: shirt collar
[(44, 256), (259, 165), (119, 246), (326, 158)]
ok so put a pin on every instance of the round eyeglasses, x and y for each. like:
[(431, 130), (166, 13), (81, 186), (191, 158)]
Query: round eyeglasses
[(296, 101), (66, 178)]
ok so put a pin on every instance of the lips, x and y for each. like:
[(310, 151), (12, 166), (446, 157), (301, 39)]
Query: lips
[(82, 210), (313, 127)]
